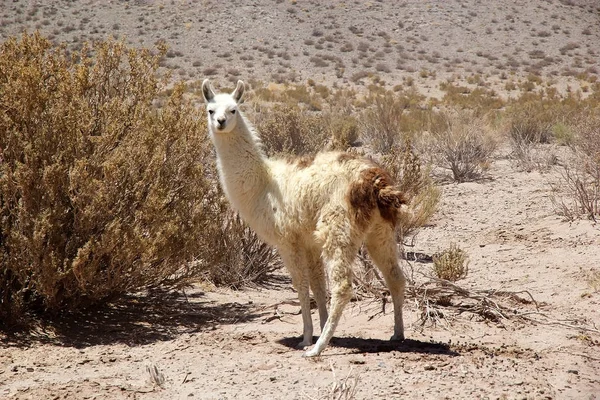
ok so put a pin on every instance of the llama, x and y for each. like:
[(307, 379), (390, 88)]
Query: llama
[(316, 212)]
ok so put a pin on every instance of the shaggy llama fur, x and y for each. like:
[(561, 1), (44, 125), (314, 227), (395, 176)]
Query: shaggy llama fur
[(315, 212)]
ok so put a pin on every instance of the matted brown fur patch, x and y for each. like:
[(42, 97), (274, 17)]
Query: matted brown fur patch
[(374, 188)]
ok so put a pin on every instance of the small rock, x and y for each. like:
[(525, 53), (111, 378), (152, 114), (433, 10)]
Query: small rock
[(429, 368), (573, 371)]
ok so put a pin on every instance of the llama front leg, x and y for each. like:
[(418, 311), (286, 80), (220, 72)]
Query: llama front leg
[(340, 277), (295, 262)]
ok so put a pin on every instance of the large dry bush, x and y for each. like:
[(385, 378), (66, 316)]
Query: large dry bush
[(462, 144), (381, 123), (581, 172), (414, 180), (287, 129), (101, 193)]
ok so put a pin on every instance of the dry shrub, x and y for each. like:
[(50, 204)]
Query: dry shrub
[(535, 120), (414, 180), (101, 193), (462, 144), (286, 129), (390, 118), (343, 130), (381, 123), (451, 264), (235, 257), (581, 173), (530, 123), (593, 280)]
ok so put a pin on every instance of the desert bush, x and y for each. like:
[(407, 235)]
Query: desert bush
[(381, 122), (581, 173), (101, 193), (287, 130), (234, 257), (530, 123), (343, 130), (462, 145), (414, 180), (451, 264)]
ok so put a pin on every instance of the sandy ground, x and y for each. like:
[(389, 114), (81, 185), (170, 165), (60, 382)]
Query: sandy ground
[(226, 344)]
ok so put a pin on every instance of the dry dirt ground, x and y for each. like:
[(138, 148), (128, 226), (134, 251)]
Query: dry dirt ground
[(225, 344), (214, 344)]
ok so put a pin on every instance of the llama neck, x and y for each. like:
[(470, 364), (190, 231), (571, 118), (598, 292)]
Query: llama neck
[(243, 169)]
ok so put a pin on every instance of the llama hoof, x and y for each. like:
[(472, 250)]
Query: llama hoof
[(311, 353), (303, 345), (397, 338)]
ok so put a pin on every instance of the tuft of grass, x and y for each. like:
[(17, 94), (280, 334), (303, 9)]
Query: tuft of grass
[(451, 264), (593, 280)]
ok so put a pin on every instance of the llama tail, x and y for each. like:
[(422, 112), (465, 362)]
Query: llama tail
[(389, 200), (390, 197)]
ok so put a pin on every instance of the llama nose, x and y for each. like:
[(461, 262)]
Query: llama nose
[(221, 121)]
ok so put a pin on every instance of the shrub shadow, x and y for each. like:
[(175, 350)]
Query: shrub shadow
[(361, 345), (134, 321)]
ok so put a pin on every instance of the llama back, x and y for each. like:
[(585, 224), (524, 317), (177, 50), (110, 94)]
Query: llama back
[(311, 185)]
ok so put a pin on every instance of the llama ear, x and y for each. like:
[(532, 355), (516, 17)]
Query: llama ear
[(207, 91), (238, 92)]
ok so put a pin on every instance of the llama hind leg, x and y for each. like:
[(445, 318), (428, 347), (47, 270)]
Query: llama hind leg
[(295, 262), (383, 249), (318, 285)]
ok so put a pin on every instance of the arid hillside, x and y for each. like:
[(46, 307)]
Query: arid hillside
[(337, 42)]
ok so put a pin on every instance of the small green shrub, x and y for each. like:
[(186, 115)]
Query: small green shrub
[(451, 264), (563, 134)]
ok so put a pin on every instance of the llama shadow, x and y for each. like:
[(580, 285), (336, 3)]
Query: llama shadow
[(364, 346), (134, 321)]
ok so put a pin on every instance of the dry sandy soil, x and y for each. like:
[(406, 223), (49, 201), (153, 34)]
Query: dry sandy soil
[(226, 344), (216, 344)]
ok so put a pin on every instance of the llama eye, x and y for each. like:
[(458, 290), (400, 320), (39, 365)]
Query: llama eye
[(233, 111), (211, 112)]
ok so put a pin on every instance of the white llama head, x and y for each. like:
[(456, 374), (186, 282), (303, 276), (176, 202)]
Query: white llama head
[(222, 108)]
